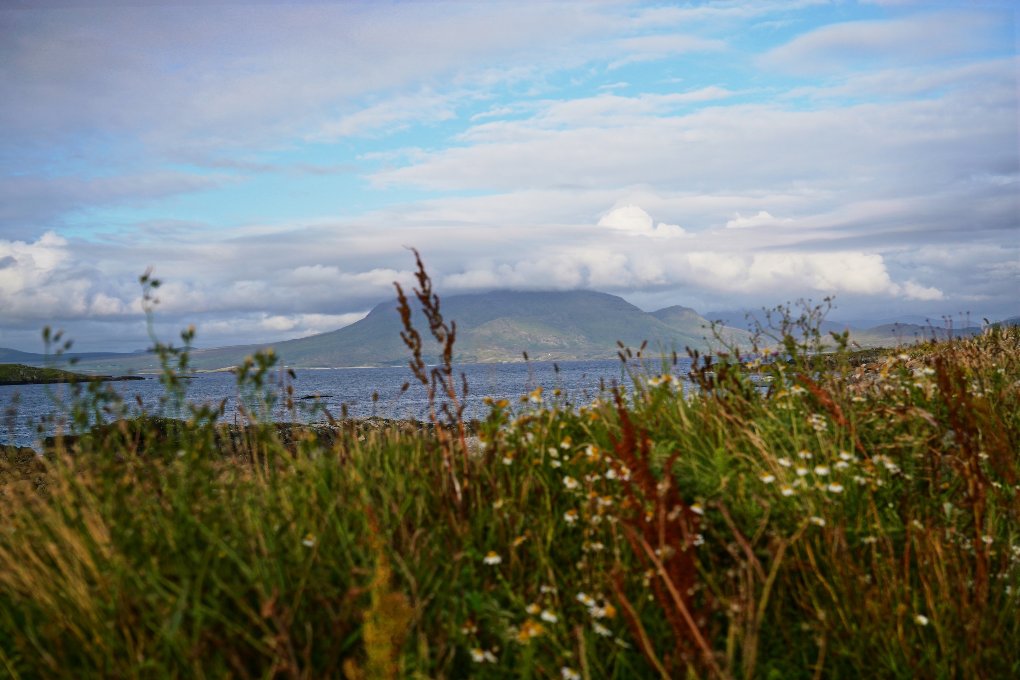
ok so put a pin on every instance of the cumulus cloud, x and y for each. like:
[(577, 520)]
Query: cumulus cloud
[(631, 219), (761, 219), (41, 280)]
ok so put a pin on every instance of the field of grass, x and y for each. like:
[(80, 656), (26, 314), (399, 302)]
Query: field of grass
[(781, 521)]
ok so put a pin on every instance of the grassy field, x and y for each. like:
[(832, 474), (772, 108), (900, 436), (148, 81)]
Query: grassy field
[(780, 522)]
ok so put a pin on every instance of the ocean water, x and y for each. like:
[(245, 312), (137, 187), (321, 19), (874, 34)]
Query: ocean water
[(31, 411)]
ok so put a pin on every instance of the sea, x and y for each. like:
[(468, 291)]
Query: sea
[(30, 412)]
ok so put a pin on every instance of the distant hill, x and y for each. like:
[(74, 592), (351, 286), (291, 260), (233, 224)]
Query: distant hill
[(491, 327), (892, 334), (500, 326), (888, 334), (20, 374), (14, 356)]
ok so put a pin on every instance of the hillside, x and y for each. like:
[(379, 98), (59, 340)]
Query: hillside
[(491, 327), (20, 374), (500, 326)]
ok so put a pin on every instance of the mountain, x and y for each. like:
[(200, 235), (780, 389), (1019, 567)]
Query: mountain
[(14, 356), (500, 326), (491, 327), (892, 334), (884, 334), (745, 320)]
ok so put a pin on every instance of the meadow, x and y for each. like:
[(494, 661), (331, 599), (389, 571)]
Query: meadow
[(794, 516)]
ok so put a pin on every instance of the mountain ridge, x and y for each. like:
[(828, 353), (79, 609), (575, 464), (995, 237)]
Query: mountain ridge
[(496, 326), (491, 327)]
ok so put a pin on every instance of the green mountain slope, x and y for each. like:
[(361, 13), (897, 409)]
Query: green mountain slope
[(496, 326)]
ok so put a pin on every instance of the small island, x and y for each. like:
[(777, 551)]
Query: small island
[(20, 374)]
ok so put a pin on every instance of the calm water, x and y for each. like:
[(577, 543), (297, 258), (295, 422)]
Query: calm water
[(26, 406)]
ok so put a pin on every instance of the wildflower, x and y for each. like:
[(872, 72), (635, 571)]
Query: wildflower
[(818, 422), (595, 546), (508, 459), (797, 390), (592, 452), (520, 539), (660, 380), (566, 443), (570, 482), (785, 462), (698, 540), (610, 473), (815, 519), (586, 600), (570, 516), (841, 465), (482, 656), (529, 629), (606, 611), (697, 509), (498, 503), (805, 454), (568, 673), (786, 490), (545, 590), (601, 630), (869, 540), (987, 539), (921, 620), (308, 541), (821, 470), (492, 558), (767, 478), (835, 488), (801, 471), (604, 501), (532, 609), (535, 396), (548, 616), (844, 456)]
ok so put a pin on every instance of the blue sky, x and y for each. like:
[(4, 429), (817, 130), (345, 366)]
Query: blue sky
[(271, 160)]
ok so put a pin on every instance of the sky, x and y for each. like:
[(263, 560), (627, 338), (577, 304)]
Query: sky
[(272, 162)]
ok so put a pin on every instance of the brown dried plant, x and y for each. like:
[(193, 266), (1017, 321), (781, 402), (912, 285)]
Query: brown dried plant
[(440, 381)]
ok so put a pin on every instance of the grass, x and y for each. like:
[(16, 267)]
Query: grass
[(19, 374), (857, 521)]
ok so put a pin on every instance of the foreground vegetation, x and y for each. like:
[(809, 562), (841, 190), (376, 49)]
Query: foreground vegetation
[(777, 522)]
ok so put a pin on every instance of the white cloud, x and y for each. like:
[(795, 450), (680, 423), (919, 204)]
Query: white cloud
[(915, 291), (763, 218), (910, 39), (653, 47), (633, 220), (387, 116), (41, 281)]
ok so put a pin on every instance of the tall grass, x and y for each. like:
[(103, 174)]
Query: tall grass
[(788, 518)]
